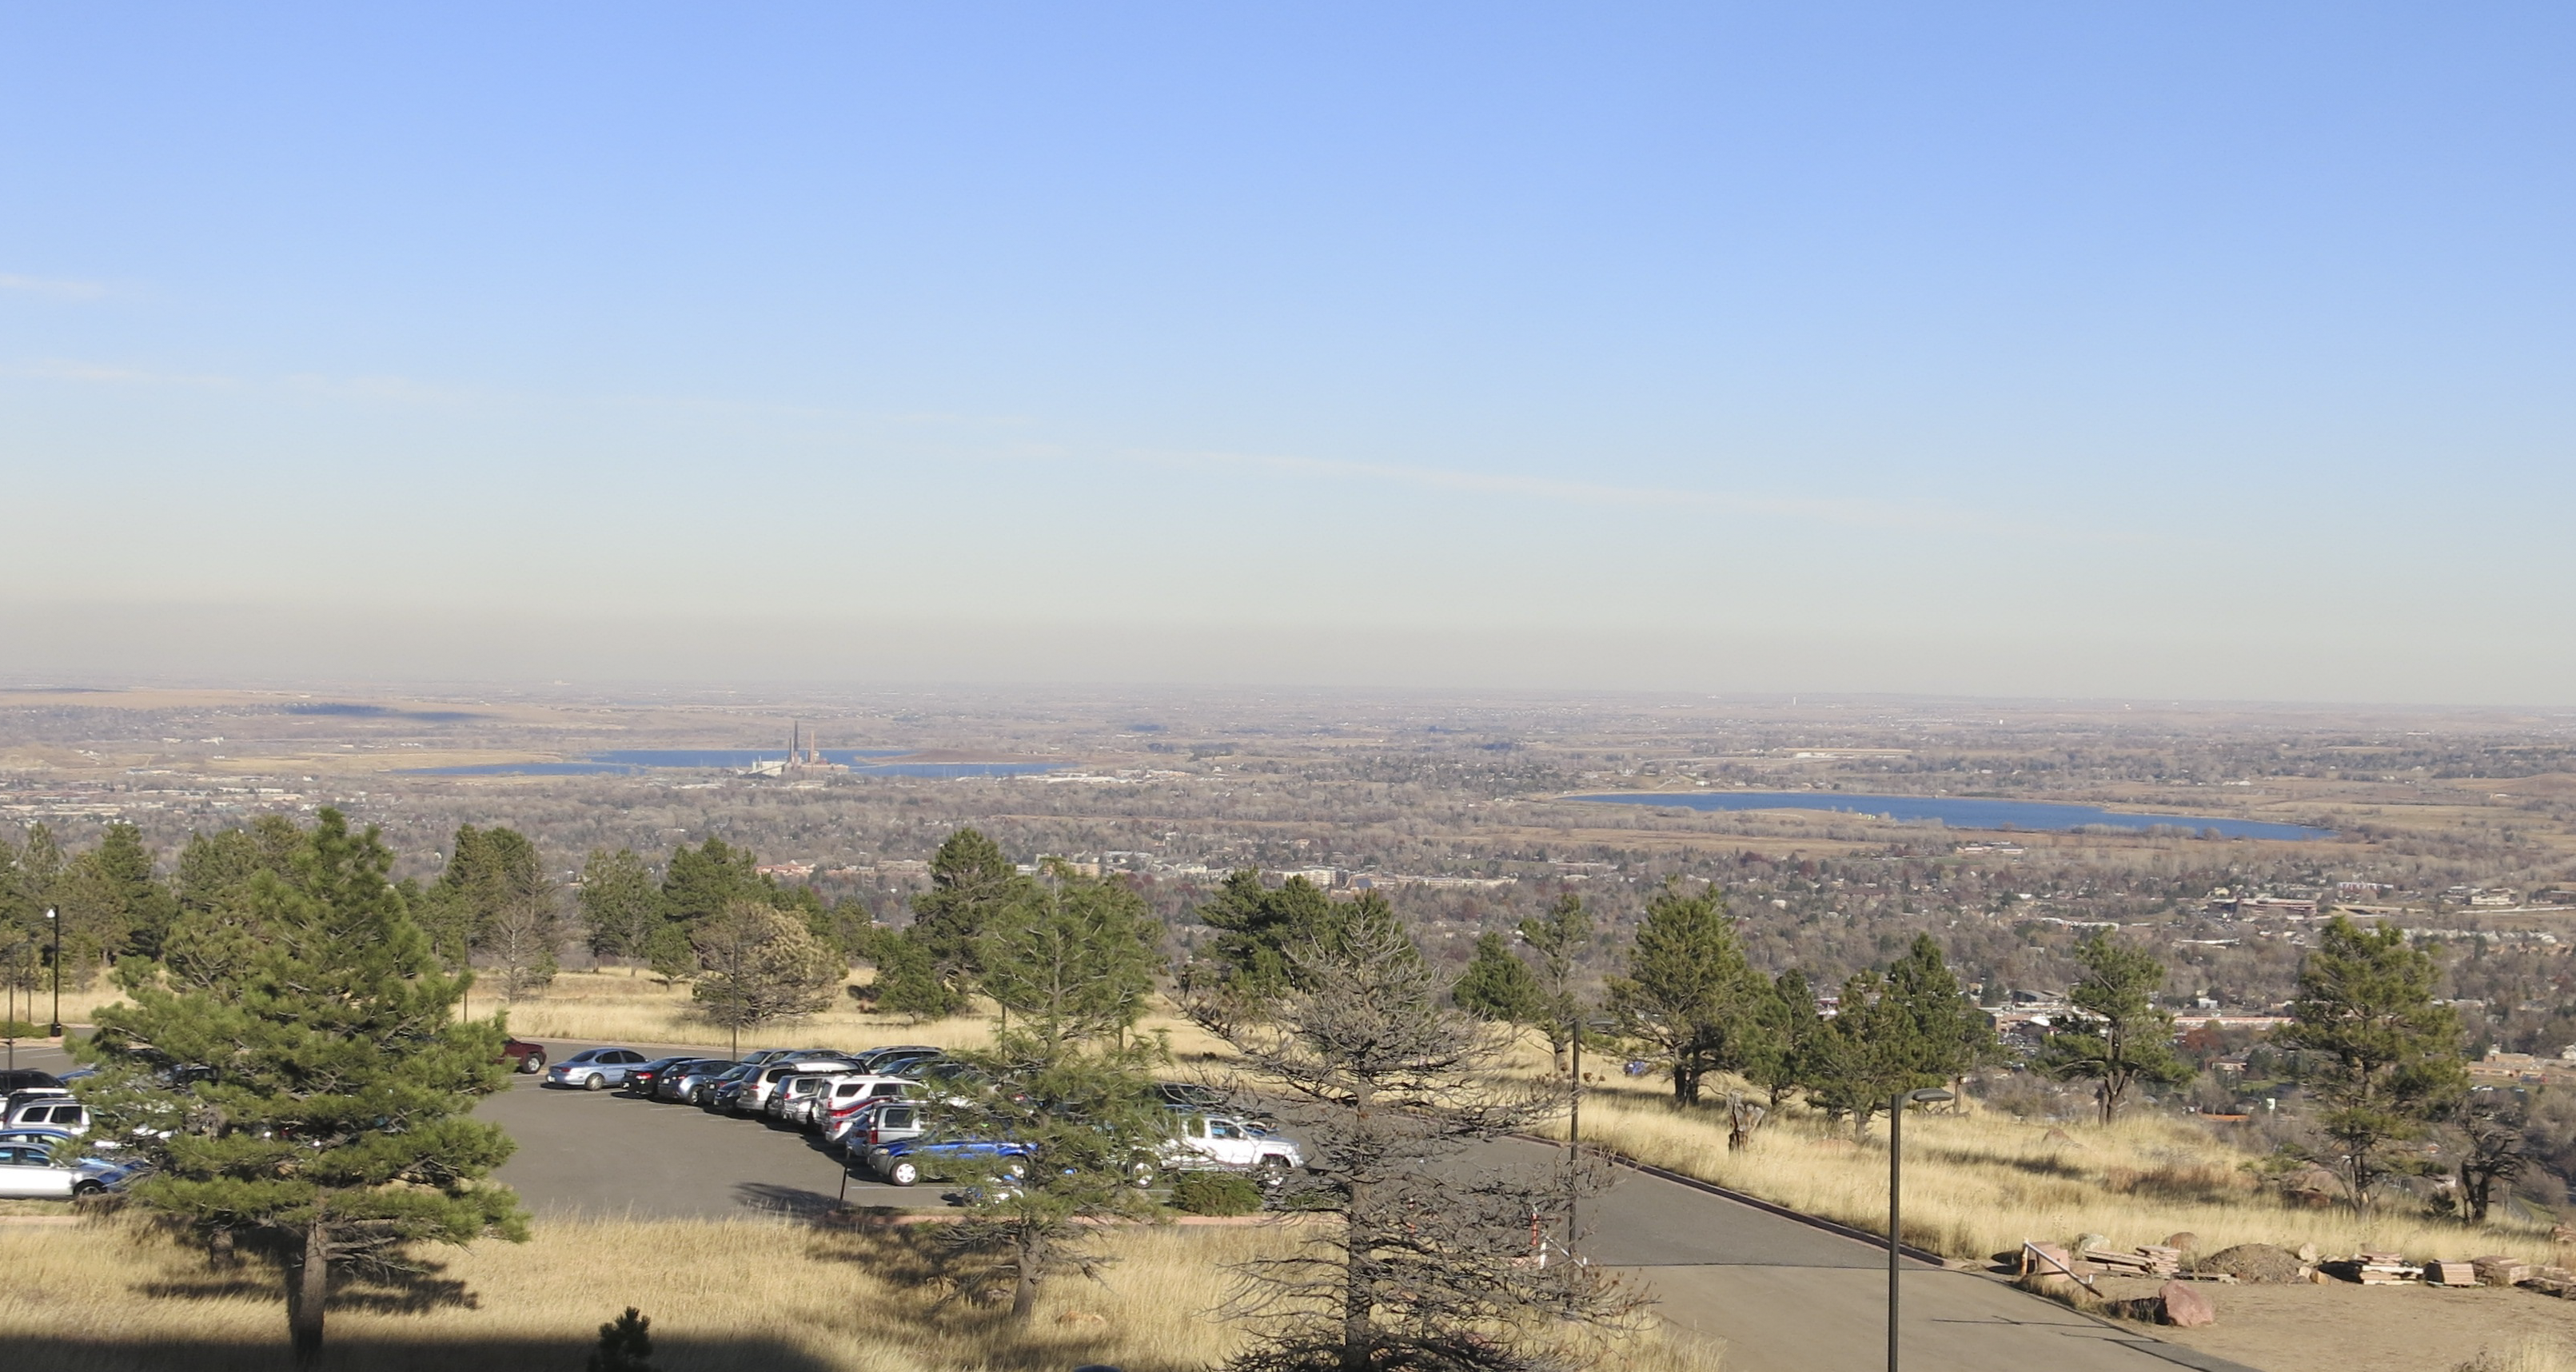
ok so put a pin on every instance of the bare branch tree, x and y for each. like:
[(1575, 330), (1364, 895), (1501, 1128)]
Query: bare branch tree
[(1433, 1265)]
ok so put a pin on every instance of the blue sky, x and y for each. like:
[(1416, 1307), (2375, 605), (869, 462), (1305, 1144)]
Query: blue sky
[(2015, 350)]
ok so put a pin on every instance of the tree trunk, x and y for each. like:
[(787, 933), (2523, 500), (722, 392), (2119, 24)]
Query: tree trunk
[(1356, 1300), (219, 1250), (1024, 1279), (308, 1288)]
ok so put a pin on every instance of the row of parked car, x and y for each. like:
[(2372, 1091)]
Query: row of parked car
[(881, 1108), (43, 1155)]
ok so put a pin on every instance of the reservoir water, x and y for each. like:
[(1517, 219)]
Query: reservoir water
[(1959, 812), (629, 761)]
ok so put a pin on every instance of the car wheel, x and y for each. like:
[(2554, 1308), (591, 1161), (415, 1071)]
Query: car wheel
[(533, 1063), (904, 1174), (1272, 1170), (593, 1082), (1142, 1174), (88, 1188)]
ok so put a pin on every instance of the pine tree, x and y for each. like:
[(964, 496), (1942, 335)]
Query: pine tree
[(1428, 1269), (512, 910), (620, 904), (1775, 1045), (1498, 986), (1558, 940), (1688, 986), (1090, 1126), (2392, 1052), (316, 1094), (2124, 1040), (698, 883), (1073, 956), (970, 882), (143, 906), (1257, 929)]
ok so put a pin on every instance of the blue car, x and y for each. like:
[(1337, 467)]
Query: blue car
[(906, 1161), (594, 1069)]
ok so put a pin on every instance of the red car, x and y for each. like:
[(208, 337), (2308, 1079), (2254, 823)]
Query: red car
[(525, 1057)]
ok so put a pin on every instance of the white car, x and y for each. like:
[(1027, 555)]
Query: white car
[(28, 1171), (1224, 1141), (50, 1112), (838, 1094)]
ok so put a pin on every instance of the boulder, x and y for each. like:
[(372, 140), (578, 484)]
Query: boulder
[(2186, 1306), (2254, 1262)]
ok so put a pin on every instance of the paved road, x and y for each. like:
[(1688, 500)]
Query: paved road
[(1785, 1296)]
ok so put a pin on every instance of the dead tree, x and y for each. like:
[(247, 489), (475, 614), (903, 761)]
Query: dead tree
[(1433, 1267)]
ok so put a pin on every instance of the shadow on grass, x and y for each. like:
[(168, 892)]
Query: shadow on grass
[(358, 1353)]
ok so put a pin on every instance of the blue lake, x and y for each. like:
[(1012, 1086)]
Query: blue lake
[(1959, 812), (627, 762), (731, 757)]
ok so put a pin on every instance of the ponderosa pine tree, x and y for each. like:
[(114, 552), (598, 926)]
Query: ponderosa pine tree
[(1073, 956), (2391, 1051), (621, 905), (2123, 1040), (1257, 927), (1498, 986), (1688, 987), (1557, 941), (971, 881), (315, 1087), (1089, 1127)]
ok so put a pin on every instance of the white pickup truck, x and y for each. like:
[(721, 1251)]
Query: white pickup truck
[(1224, 1141)]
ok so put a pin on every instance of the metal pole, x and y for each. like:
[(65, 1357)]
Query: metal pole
[(1895, 1189), (56, 918), (1574, 1141)]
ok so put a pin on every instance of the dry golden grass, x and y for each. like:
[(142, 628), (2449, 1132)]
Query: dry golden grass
[(737, 1295), (612, 1007), (2527, 1355), (1977, 1184)]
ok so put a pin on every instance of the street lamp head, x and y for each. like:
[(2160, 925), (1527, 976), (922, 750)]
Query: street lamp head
[(1928, 1095), (49, 912)]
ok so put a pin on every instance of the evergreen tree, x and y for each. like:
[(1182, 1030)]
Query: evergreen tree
[(496, 884), (700, 882), (143, 906), (313, 1102), (1498, 986), (1778, 1037), (907, 982), (1091, 1126), (1074, 956), (216, 868), (620, 904), (1912, 1027), (1558, 939), (1688, 986), (671, 955), (970, 882), (1257, 929), (2124, 1039), (2391, 1051)]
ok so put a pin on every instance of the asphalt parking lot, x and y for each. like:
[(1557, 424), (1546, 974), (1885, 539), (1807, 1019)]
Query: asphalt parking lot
[(606, 1154)]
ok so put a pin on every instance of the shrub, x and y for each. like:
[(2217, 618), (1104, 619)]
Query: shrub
[(1215, 1193)]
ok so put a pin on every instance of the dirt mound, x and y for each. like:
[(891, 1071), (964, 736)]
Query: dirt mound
[(2253, 1262)]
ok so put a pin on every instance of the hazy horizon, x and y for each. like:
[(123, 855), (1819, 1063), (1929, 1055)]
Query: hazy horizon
[(2002, 351)]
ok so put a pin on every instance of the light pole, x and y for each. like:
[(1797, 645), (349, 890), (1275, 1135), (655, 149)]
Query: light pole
[(1895, 1191), (54, 917)]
